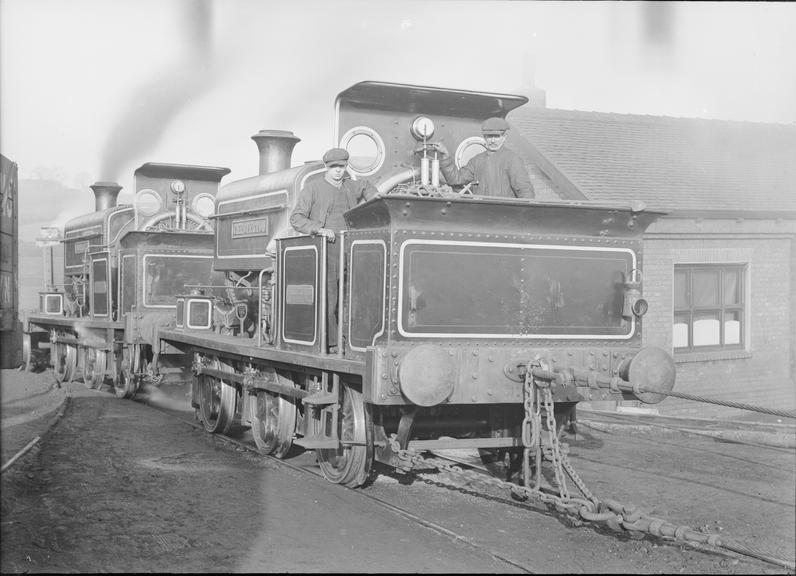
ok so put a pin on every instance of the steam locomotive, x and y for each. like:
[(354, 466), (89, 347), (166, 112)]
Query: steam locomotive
[(464, 321), (122, 266)]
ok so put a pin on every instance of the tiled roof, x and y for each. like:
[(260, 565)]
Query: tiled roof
[(668, 163)]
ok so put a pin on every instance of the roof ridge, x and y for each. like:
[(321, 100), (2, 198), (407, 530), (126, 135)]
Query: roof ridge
[(530, 110)]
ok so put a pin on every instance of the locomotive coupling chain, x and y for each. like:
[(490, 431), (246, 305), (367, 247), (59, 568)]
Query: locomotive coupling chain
[(617, 517), (588, 508)]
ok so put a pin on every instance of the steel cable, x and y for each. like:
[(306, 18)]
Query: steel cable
[(741, 405)]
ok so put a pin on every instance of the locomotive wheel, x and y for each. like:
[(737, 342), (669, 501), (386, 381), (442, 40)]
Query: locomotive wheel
[(273, 422), (65, 361), (350, 463), (218, 401), (95, 362), (71, 352), (126, 384), (27, 350)]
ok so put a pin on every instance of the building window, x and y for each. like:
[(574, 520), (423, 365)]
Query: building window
[(709, 303)]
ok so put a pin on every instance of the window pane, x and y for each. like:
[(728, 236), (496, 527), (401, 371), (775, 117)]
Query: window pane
[(680, 290), (459, 288), (706, 329), (706, 287), (732, 328), (680, 331), (364, 152), (732, 286)]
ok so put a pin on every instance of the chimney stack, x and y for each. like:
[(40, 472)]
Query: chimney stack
[(276, 149), (105, 194), (537, 97)]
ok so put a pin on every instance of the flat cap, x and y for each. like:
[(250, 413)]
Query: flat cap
[(494, 126), (335, 155)]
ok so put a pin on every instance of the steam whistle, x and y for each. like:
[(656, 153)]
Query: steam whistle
[(424, 165), (429, 167), (424, 169)]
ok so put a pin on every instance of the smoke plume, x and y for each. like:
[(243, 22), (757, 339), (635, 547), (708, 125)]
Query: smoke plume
[(158, 101)]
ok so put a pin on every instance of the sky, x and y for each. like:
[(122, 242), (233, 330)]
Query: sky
[(92, 89)]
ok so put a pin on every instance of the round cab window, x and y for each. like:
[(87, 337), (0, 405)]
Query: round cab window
[(204, 204), (469, 148), (147, 202), (365, 149)]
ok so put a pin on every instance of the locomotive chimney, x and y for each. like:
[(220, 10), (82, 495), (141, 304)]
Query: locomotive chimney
[(105, 194), (276, 148)]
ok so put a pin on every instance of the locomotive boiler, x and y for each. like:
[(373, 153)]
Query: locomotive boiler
[(464, 321)]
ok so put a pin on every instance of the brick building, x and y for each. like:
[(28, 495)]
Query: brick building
[(720, 268)]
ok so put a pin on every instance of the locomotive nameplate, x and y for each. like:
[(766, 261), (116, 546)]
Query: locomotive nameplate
[(250, 228), (299, 294)]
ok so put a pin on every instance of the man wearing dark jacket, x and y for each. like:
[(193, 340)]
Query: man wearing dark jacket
[(319, 211), (496, 171)]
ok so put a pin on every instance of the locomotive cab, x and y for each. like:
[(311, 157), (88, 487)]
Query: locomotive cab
[(85, 237)]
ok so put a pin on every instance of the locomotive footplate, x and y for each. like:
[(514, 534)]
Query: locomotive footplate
[(234, 346), (45, 321)]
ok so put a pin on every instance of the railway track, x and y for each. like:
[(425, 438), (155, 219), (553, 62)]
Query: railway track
[(473, 468), (249, 446)]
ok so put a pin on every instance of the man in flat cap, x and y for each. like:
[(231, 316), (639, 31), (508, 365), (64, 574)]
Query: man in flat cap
[(319, 211), (496, 171)]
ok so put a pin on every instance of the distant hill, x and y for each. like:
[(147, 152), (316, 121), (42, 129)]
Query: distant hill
[(49, 203), (44, 203)]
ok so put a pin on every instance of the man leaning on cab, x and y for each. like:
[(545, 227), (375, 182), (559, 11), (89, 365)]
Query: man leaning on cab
[(497, 171)]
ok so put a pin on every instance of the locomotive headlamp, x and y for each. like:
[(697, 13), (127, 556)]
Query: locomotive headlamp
[(422, 128), (204, 204), (178, 186), (199, 312), (634, 304), (51, 303)]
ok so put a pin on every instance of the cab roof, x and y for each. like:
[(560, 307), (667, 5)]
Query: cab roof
[(445, 101)]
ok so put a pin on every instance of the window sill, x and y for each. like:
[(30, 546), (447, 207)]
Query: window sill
[(707, 356)]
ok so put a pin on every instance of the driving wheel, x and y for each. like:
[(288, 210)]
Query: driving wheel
[(126, 384), (65, 360), (95, 362), (273, 419), (27, 350), (350, 463), (218, 400)]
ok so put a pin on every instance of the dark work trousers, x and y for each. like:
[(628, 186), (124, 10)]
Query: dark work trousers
[(333, 280)]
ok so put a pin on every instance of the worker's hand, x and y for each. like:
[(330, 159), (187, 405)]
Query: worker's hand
[(326, 233), (439, 147)]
